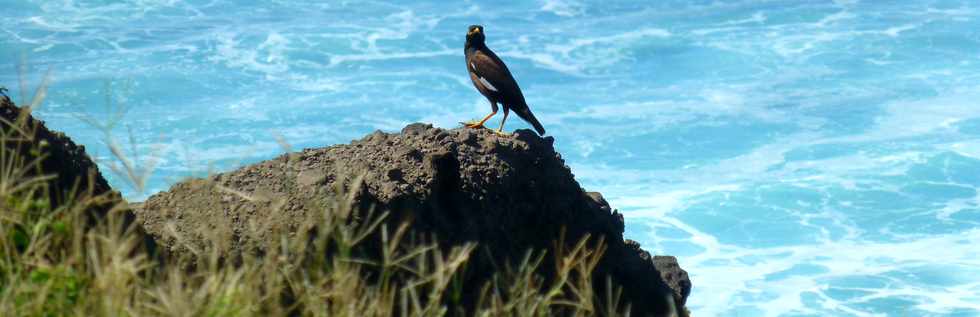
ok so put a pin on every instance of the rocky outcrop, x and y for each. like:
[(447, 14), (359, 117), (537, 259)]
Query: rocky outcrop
[(508, 193), (30, 139), (30, 146), (42, 152)]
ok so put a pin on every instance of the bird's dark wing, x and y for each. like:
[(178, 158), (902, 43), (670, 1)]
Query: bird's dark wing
[(494, 76), (493, 79)]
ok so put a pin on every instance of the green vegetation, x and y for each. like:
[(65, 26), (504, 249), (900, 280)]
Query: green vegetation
[(54, 261)]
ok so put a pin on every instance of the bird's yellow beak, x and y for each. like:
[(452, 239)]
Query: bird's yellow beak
[(477, 30)]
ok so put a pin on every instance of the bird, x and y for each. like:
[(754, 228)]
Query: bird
[(492, 78)]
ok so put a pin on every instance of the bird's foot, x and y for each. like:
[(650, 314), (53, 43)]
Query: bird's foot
[(473, 124), (501, 133)]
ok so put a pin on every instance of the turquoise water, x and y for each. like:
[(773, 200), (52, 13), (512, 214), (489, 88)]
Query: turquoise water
[(801, 158)]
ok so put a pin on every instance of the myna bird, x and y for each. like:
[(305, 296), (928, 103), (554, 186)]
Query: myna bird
[(493, 80)]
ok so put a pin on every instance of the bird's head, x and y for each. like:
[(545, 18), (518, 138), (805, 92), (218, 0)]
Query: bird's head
[(475, 34)]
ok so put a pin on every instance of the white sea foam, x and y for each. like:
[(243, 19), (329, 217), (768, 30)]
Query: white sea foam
[(757, 17), (339, 59), (970, 148), (734, 283), (834, 18), (911, 118), (266, 57), (565, 8), (580, 56)]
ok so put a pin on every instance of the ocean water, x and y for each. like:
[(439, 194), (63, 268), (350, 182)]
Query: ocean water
[(800, 158)]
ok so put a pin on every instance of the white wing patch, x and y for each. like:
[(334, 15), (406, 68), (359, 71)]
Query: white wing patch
[(487, 84), (473, 65)]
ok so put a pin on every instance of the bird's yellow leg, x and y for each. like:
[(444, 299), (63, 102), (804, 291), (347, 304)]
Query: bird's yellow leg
[(501, 130), (477, 125)]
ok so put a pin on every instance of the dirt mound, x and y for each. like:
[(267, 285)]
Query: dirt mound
[(508, 193)]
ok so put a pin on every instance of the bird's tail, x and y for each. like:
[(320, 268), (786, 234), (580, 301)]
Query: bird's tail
[(525, 113)]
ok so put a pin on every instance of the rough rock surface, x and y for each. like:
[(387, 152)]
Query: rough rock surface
[(508, 193), (63, 158), (76, 176), (670, 271)]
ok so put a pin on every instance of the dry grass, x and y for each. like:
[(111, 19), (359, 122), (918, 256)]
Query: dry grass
[(53, 263)]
